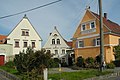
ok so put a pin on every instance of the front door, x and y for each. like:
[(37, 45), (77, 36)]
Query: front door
[(2, 58)]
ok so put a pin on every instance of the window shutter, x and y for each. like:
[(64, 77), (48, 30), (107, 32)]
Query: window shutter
[(94, 42)]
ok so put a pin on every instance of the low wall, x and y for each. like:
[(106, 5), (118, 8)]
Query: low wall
[(8, 75)]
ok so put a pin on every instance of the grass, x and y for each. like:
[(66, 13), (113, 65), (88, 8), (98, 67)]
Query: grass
[(10, 70), (78, 75), (83, 74)]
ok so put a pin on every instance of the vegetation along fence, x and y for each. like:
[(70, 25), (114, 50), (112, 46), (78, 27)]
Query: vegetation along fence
[(9, 76)]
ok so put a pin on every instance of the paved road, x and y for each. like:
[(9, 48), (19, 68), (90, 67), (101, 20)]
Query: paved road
[(114, 78), (2, 77)]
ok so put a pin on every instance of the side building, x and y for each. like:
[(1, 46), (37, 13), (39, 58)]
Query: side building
[(86, 39), (58, 46)]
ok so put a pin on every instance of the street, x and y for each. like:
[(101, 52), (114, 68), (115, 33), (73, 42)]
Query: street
[(2, 77)]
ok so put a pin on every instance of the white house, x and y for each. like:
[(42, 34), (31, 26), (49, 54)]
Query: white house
[(57, 46), (24, 35)]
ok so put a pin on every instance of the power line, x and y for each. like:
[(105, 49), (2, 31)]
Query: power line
[(31, 9)]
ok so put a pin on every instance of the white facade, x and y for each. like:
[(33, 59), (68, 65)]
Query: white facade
[(24, 35), (57, 46)]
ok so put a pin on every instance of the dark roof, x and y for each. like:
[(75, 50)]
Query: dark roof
[(114, 27)]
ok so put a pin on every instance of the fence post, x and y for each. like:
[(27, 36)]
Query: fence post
[(45, 71)]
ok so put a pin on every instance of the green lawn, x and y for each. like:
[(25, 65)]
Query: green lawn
[(77, 75)]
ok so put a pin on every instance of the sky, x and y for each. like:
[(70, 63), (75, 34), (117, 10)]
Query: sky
[(65, 15)]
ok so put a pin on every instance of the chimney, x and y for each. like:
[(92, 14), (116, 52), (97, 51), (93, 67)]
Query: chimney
[(105, 15)]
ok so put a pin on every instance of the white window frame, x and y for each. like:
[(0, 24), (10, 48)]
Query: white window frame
[(81, 44), (82, 27), (53, 42), (96, 40), (94, 25)]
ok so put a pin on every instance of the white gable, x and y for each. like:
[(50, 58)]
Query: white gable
[(59, 50), (55, 35), (17, 34)]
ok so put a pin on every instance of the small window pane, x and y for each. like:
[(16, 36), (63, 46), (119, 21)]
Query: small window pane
[(83, 27), (53, 41), (92, 25), (63, 51), (33, 44), (80, 44), (25, 44), (56, 52), (58, 41), (98, 41), (27, 33), (16, 44), (23, 33)]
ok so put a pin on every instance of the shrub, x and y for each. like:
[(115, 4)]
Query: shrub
[(117, 63), (89, 62), (80, 62), (110, 66), (10, 64), (64, 64)]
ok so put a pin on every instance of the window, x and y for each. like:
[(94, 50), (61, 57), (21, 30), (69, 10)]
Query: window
[(56, 52), (92, 25), (83, 27), (97, 41), (58, 41), (48, 51), (63, 60), (53, 41), (25, 32), (63, 51), (80, 43), (16, 44), (25, 44), (1, 40), (33, 44), (119, 41)]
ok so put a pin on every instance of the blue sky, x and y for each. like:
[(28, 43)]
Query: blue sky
[(65, 15)]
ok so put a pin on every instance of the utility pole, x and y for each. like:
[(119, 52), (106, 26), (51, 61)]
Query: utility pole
[(101, 37)]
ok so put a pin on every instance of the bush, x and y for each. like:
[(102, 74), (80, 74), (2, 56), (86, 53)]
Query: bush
[(64, 64), (110, 66), (89, 62), (80, 62), (10, 64), (117, 63)]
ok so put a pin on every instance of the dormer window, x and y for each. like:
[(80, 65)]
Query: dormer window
[(92, 25), (83, 27)]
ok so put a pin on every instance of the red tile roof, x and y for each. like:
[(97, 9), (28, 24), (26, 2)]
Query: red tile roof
[(1, 38), (114, 27), (69, 44)]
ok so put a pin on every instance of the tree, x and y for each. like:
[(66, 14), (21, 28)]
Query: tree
[(32, 62), (116, 50)]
